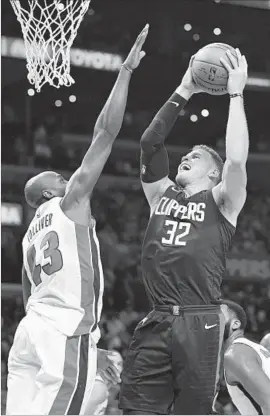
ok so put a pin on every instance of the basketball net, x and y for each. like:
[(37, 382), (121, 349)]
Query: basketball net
[(49, 28)]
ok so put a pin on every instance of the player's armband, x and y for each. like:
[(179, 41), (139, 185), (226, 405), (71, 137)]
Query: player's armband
[(155, 135), (154, 157), (154, 166)]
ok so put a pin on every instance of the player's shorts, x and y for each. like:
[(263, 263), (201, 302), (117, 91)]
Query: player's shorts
[(49, 373), (173, 361)]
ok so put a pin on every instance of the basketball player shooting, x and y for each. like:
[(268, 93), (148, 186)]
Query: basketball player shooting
[(52, 363), (173, 358), (246, 365)]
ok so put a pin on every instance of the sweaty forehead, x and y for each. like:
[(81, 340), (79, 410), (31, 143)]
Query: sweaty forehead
[(201, 152)]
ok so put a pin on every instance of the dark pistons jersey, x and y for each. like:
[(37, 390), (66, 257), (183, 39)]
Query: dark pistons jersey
[(184, 249)]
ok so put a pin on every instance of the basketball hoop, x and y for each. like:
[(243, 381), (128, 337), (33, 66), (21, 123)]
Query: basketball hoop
[(49, 28)]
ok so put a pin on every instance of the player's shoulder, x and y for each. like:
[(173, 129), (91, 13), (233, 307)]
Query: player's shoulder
[(52, 203), (239, 354), (231, 356)]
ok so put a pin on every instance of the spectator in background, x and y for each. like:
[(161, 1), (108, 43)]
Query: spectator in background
[(20, 147), (42, 151), (59, 153)]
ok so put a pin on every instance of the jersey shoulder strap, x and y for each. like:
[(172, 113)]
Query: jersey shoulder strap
[(243, 340), (48, 205)]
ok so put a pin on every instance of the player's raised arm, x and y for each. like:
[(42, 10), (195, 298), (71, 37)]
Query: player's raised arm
[(246, 370), (232, 189), (106, 128), (154, 156)]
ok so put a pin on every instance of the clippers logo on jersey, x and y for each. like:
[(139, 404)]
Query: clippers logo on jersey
[(177, 231), (192, 211)]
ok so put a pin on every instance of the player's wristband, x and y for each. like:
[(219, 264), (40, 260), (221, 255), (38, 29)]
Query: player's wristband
[(238, 94), (127, 68), (178, 99)]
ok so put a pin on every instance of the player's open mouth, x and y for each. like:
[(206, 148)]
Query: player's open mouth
[(185, 166)]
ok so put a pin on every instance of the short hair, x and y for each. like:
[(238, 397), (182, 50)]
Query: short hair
[(238, 311), (215, 156), (33, 192)]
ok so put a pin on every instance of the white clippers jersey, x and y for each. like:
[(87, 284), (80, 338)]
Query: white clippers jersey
[(240, 397), (62, 262)]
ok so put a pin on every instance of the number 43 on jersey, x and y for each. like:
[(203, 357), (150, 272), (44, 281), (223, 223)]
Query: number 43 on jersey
[(49, 247)]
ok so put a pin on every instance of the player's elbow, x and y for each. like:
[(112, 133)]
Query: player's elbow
[(235, 173), (103, 134), (237, 158), (145, 141), (150, 141), (236, 163)]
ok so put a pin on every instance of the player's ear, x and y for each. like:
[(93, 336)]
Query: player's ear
[(236, 324), (213, 175), (47, 194)]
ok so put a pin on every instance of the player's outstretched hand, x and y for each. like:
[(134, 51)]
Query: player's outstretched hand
[(188, 82), (136, 53), (238, 72), (106, 368)]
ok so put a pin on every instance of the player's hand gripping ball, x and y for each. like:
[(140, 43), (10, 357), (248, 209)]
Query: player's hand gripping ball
[(237, 71), (208, 71)]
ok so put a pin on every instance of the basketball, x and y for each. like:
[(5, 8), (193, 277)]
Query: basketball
[(207, 70)]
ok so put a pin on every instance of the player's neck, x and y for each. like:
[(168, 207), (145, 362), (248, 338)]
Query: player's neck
[(233, 337), (192, 189)]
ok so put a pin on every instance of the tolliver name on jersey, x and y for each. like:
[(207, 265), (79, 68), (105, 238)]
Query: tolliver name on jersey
[(43, 222)]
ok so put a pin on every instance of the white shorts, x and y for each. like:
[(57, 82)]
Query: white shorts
[(48, 372)]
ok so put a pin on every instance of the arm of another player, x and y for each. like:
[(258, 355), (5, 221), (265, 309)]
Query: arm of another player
[(154, 156), (244, 366), (106, 129), (230, 194), (26, 287), (109, 366)]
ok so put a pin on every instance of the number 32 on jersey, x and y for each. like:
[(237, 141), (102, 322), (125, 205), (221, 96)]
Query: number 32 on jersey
[(175, 233)]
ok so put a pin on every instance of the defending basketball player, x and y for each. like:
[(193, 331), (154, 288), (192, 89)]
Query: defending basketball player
[(173, 358), (52, 363), (246, 365)]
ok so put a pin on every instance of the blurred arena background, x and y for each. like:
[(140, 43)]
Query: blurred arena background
[(52, 129)]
